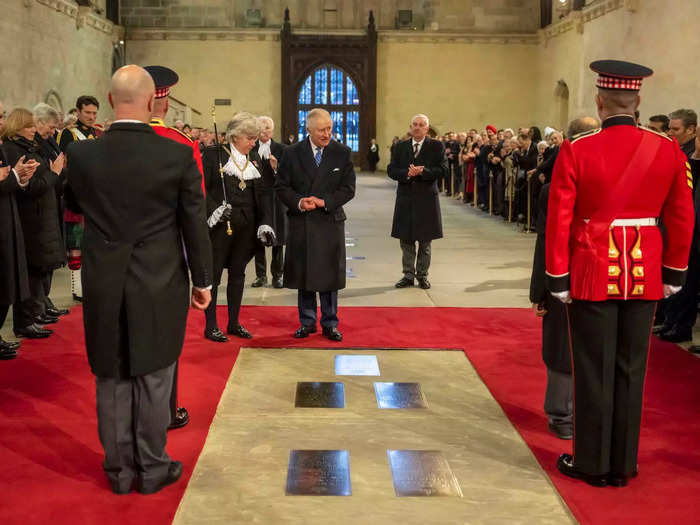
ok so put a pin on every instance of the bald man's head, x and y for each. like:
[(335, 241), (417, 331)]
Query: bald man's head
[(132, 93)]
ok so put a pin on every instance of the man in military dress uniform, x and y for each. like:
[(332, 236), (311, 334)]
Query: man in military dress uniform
[(165, 78), (606, 258)]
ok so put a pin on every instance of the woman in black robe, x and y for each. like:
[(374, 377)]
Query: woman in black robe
[(373, 155)]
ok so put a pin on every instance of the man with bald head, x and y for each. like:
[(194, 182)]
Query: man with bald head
[(142, 199)]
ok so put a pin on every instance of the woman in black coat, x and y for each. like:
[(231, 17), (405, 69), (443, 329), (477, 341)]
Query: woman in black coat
[(38, 212), (243, 208), (373, 155)]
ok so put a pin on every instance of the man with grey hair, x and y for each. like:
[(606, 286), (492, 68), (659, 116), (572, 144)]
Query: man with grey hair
[(270, 153), (315, 180), (417, 164)]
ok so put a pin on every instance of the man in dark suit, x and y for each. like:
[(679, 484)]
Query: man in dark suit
[(141, 197), (417, 165), (314, 180), (270, 153)]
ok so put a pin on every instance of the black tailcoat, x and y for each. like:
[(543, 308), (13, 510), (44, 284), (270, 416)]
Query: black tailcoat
[(14, 285), (315, 258), (417, 211), (279, 210), (141, 196)]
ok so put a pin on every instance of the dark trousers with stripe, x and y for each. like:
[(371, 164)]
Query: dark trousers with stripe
[(609, 344)]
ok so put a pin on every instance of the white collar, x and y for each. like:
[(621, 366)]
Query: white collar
[(314, 147), (416, 142), (236, 161), (129, 120), (264, 149)]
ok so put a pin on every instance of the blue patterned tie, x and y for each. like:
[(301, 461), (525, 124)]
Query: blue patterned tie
[(317, 157)]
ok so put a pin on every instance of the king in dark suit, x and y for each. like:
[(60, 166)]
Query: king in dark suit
[(142, 199), (314, 180), (417, 164)]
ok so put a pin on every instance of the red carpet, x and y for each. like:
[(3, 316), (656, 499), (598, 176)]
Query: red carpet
[(50, 457)]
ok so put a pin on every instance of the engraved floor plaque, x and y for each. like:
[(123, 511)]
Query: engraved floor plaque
[(399, 395), (356, 365), (318, 473), (320, 395), (422, 473)]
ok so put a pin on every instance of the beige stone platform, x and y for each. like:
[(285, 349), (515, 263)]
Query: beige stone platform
[(241, 474)]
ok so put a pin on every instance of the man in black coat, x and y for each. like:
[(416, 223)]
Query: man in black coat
[(314, 180), (141, 197), (270, 153), (417, 165)]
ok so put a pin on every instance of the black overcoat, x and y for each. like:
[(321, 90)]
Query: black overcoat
[(14, 284), (555, 326), (38, 208), (279, 210), (315, 257), (417, 210), (141, 196)]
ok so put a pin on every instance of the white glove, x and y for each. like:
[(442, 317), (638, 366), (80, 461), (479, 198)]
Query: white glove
[(670, 290), (217, 214), (266, 235), (564, 297)]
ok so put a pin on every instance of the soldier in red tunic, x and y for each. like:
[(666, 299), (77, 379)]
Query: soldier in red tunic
[(165, 78), (607, 259)]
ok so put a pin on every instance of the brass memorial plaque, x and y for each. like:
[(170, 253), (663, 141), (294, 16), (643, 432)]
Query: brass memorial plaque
[(356, 365), (399, 395), (422, 473), (320, 395), (318, 473)]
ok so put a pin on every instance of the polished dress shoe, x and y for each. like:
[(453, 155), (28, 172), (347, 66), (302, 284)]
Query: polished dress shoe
[(174, 473), (77, 298), (620, 480), (694, 349), (56, 312), (332, 333), (33, 332), (259, 281), (565, 464), (404, 282), (45, 319), (562, 430), (215, 335), (424, 283), (304, 331), (239, 331), (182, 417), (10, 345), (660, 329), (677, 336), (277, 282), (7, 353)]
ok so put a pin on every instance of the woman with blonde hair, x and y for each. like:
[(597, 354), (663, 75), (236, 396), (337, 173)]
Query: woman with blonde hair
[(239, 205)]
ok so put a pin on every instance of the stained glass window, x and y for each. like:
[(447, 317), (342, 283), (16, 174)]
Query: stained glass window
[(331, 88)]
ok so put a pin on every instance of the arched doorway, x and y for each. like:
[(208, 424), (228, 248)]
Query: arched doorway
[(330, 88), (53, 99), (561, 95)]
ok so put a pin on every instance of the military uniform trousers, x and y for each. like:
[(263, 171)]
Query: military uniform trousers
[(233, 253), (609, 344)]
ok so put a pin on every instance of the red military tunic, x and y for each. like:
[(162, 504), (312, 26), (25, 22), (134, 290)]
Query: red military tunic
[(178, 136), (632, 261)]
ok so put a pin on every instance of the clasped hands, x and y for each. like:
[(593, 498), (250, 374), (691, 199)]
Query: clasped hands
[(415, 171), (24, 170), (311, 203)]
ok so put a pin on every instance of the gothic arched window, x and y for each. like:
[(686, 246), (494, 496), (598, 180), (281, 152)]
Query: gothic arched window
[(330, 88)]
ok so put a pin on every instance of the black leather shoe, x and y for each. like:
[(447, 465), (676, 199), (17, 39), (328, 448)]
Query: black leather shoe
[(562, 430), (259, 281), (694, 349), (7, 353), (239, 331), (660, 329), (565, 464), (277, 282), (424, 283), (9, 345), (215, 335), (56, 312), (120, 489), (33, 332), (404, 282), (304, 331), (77, 298), (182, 417), (174, 473), (45, 319), (676, 336), (620, 480), (332, 333)]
